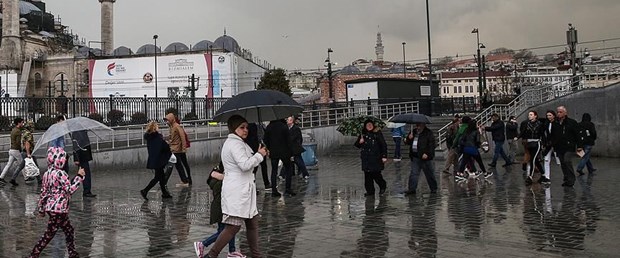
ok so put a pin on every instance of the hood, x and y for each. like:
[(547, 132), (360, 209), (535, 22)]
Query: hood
[(364, 126), (56, 158), (586, 117)]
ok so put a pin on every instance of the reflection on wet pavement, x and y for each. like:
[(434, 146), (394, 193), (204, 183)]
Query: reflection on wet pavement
[(331, 218)]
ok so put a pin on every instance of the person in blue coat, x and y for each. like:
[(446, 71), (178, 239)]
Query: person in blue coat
[(159, 154), (397, 136)]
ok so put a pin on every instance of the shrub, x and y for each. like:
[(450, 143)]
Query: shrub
[(139, 118), (5, 123), (44, 122), (190, 116), (115, 117), (96, 116)]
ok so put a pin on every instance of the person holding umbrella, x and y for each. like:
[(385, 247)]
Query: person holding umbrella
[(159, 154), (82, 155), (421, 153), (373, 152), (238, 187), (278, 140)]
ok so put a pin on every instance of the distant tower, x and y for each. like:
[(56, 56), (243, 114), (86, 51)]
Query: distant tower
[(107, 26), (11, 49), (379, 48)]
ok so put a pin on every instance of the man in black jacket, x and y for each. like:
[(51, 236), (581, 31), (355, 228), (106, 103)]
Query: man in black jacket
[(567, 139), (278, 141), (512, 134), (588, 135), (421, 153), (255, 133), (297, 140), (81, 156), (497, 132)]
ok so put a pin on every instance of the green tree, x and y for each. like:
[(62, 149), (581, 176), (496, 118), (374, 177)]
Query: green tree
[(275, 79), (501, 50)]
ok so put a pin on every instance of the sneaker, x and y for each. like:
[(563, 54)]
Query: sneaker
[(306, 177), (267, 189), (143, 193), (281, 177), (183, 185), (488, 174), (397, 159), (13, 182), (236, 254), (580, 172), (544, 180), (199, 248)]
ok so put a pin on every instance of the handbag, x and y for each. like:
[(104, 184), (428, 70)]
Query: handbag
[(31, 169)]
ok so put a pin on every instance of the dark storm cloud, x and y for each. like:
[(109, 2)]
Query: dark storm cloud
[(296, 34)]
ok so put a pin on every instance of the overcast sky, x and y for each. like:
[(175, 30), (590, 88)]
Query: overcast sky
[(296, 34)]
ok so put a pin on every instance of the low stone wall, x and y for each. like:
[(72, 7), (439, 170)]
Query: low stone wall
[(207, 151)]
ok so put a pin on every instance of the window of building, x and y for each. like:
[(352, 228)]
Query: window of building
[(38, 80), (460, 90), (455, 89)]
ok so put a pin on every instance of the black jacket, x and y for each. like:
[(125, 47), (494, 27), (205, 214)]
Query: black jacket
[(551, 134), (426, 144), (373, 150), (158, 149), (568, 136), (81, 153), (512, 130), (497, 131), (296, 140), (278, 140), (252, 139), (588, 133), (532, 130)]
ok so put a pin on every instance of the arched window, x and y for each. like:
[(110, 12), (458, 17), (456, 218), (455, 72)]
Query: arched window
[(38, 80), (61, 84)]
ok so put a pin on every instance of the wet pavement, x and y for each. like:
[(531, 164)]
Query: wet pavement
[(331, 218)]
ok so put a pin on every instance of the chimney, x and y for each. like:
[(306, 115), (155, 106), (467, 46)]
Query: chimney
[(107, 26), (11, 49)]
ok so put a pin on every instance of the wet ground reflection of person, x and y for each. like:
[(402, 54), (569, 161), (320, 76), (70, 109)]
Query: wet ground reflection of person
[(466, 212), (570, 234), (84, 229), (180, 222), (374, 241), (588, 209), (423, 238), (537, 217), (160, 236)]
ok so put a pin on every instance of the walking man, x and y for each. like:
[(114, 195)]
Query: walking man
[(568, 139), (497, 132), (452, 159), (588, 134), (298, 149), (15, 155), (82, 155), (278, 141), (421, 153), (176, 140), (397, 136), (512, 136)]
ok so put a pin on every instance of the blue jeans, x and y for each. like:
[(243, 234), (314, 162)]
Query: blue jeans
[(585, 160), (427, 166), (499, 150), (397, 141), (210, 240)]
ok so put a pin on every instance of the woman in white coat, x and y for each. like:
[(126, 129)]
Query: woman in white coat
[(238, 187)]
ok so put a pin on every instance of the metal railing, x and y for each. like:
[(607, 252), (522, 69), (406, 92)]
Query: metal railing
[(531, 96), (132, 135)]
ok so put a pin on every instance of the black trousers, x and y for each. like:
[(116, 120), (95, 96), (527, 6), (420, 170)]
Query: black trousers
[(567, 167), (535, 150), (265, 174), (158, 178), (372, 177), (182, 167), (287, 169)]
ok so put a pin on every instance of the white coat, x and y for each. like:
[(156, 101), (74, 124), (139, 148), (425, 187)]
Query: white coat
[(238, 187)]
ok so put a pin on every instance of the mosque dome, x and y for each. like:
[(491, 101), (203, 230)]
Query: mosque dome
[(122, 51), (148, 49), (227, 43), (373, 69), (202, 45), (176, 47), (349, 69), (26, 8)]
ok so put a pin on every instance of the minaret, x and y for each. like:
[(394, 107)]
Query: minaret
[(107, 26), (379, 48), (11, 49)]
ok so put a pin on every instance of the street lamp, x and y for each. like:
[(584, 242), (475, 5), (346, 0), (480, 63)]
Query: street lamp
[(329, 73), (404, 66), (430, 64), (156, 97), (478, 63)]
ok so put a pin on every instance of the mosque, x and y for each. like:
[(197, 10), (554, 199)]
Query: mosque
[(40, 56)]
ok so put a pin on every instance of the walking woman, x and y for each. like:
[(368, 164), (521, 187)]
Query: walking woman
[(238, 187), (54, 201), (550, 135), (159, 154), (470, 142), (374, 155), (532, 134)]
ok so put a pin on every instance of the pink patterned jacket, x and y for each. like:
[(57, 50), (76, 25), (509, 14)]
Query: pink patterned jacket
[(57, 189)]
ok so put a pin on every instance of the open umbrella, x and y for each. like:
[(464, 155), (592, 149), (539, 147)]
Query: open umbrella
[(394, 125), (259, 106), (410, 118), (78, 124)]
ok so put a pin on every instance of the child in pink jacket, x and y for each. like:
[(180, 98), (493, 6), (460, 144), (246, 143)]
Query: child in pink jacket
[(56, 192)]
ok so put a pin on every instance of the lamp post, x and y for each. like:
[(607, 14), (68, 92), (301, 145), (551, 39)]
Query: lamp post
[(404, 66), (329, 73), (430, 64), (478, 63), (156, 96)]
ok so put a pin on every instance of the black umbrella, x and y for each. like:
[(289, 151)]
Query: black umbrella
[(259, 106), (410, 118)]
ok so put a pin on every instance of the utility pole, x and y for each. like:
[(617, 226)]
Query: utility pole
[(329, 74), (484, 77), (192, 90), (571, 40), (49, 89)]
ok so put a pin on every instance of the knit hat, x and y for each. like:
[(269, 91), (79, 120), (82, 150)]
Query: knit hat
[(234, 122)]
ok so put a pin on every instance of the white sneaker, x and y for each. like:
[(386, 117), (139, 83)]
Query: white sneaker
[(199, 248), (236, 255)]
